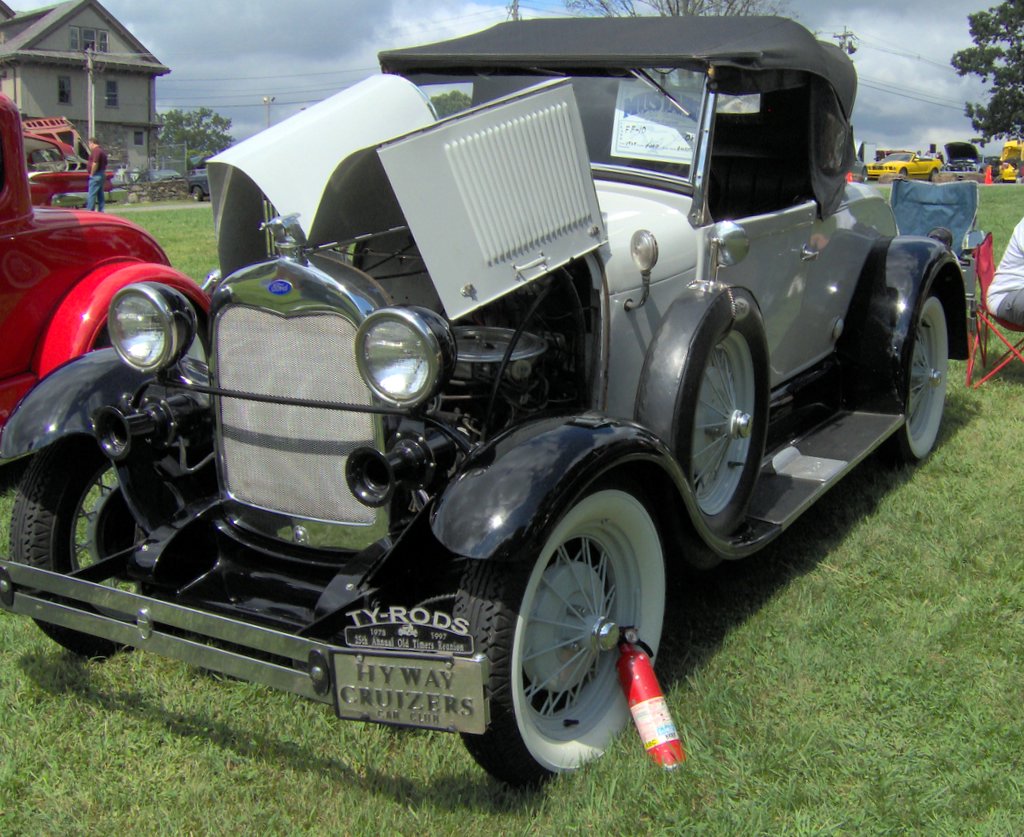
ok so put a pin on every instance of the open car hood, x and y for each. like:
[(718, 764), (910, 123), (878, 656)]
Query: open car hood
[(494, 196), (298, 163), (962, 151)]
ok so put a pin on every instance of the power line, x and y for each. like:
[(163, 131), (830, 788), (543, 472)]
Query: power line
[(222, 79), (901, 93)]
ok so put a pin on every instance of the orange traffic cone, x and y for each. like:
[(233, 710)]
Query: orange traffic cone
[(988, 175)]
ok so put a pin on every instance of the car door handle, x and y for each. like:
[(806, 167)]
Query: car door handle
[(808, 253)]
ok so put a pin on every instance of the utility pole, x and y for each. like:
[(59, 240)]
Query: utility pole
[(847, 41), (90, 98), (266, 103), (513, 10)]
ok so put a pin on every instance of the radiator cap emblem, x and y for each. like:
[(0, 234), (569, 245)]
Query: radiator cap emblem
[(280, 287)]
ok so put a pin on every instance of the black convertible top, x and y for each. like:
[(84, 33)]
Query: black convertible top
[(746, 44)]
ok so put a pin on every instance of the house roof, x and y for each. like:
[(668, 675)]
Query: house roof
[(6, 11), (744, 44), (23, 31)]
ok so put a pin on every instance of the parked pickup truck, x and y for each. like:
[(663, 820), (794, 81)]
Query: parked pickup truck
[(198, 185), (61, 267)]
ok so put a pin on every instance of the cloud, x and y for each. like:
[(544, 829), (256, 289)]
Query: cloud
[(228, 56), (230, 61), (910, 96)]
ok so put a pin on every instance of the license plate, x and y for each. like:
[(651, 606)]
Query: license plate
[(445, 693)]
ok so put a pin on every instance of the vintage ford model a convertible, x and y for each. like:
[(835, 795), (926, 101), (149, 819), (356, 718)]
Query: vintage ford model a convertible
[(501, 333)]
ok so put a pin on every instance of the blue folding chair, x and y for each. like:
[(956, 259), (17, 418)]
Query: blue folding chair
[(941, 209), (922, 208)]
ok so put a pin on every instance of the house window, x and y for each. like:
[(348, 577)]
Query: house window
[(82, 38), (111, 94), (64, 90), (139, 138)]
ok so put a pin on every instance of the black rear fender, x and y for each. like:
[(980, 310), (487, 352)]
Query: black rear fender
[(898, 276)]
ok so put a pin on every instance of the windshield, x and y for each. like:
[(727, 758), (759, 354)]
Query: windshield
[(647, 120)]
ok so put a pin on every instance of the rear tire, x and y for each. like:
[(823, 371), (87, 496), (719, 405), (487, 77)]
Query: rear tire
[(69, 513), (927, 376)]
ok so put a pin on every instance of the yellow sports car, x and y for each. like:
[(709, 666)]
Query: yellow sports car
[(1010, 161), (905, 164)]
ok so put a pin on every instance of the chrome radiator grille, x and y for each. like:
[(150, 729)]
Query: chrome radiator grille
[(284, 458)]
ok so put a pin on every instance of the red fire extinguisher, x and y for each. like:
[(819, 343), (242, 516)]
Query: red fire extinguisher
[(647, 704)]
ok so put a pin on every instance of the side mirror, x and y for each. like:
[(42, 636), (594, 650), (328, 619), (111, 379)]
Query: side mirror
[(730, 244)]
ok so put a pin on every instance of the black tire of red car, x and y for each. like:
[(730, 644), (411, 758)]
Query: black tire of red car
[(721, 430), (69, 513), (927, 375), (555, 698)]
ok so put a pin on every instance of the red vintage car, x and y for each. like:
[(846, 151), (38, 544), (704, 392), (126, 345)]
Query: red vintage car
[(59, 269), (55, 174)]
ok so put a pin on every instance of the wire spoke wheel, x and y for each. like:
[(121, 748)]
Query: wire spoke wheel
[(550, 629), (69, 513), (721, 410), (722, 426), (94, 533), (926, 383)]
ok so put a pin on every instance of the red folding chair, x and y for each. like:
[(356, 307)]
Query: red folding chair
[(984, 322)]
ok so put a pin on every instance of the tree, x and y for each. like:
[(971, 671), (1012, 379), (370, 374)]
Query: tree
[(676, 8), (998, 53), (201, 129), (451, 102)]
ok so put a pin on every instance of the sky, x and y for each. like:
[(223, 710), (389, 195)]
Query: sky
[(229, 55)]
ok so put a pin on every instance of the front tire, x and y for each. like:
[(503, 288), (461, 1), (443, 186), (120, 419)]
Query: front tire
[(927, 377), (69, 513), (548, 628)]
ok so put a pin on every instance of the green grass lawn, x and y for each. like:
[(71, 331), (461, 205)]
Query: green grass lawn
[(861, 676)]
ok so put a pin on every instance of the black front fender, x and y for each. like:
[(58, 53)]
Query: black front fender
[(63, 403), (512, 490)]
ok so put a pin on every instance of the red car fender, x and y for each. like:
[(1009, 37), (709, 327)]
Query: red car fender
[(82, 314)]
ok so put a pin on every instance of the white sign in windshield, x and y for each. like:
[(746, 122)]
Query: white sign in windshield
[(648, 126)]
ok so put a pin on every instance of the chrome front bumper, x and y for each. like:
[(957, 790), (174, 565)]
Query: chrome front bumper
[(430, 691)]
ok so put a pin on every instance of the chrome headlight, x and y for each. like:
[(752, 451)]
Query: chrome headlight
[(150, 325), (404, 354)]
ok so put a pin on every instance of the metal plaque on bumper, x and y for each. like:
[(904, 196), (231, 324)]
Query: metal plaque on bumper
[(427, 691)]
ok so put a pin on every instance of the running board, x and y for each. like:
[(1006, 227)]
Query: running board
[(796, 476)]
